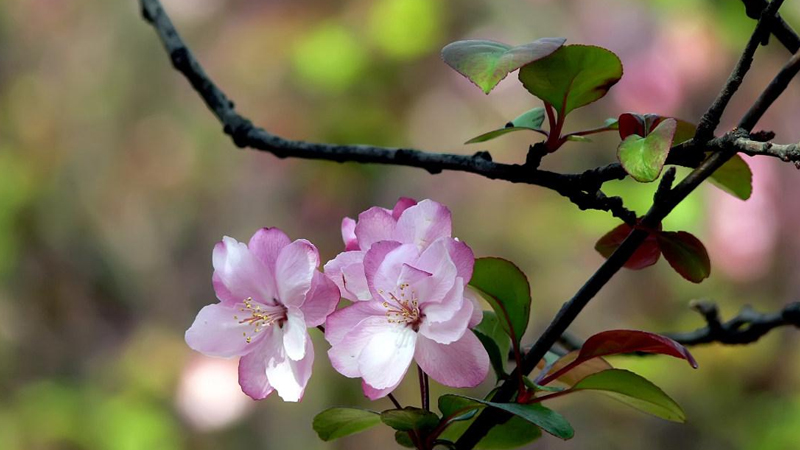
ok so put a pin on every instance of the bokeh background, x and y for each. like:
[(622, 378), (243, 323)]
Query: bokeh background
[(115, 183)]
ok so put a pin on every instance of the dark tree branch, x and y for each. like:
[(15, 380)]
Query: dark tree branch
[(571, 309), (745, 328), (775, 88), (779, 28), (581, 189)]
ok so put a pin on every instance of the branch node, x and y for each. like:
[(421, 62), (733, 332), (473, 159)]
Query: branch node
[(535, 154), (665, 185), (483, 154)]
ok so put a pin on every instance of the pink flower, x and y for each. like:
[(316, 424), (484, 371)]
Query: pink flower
[(270, 291), (408, 278), (408, 223)]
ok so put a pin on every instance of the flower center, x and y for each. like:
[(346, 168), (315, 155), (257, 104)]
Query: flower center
[(403, 307), (261, 317)]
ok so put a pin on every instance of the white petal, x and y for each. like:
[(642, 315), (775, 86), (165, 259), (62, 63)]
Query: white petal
[(289, 377), (295, 334), (385, 359)]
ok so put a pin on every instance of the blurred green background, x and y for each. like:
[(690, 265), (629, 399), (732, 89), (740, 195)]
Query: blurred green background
[(115, 183)]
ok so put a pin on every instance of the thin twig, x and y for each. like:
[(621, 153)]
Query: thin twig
[(425, 396), (774, 89), (745, 328), (394, 401), (785, 34)]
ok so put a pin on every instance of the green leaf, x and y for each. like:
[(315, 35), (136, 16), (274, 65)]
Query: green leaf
[(455, 408), (611, 123), (586, 368), (643, 158), (529, 120), (486, 63), (686, 254), (410, 419), (546, 419), (573, 76), (494, 339), (334, 423), (683, 132), (514, 433), (402, 438), (506, 289), (633, 390), (734, 177)]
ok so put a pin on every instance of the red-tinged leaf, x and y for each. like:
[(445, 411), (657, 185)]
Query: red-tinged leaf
[(646, 255), (632, 341), (630, 123), (644, 157), (577, 373), (642, 125), (686, 254)]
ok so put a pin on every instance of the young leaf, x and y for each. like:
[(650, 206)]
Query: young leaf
[(410, 419), (506, 289), (402, 438), (734, 177), (644, 157), (334, 423), (646, 255), (579, 372), (546, 419), (496, 342), (486, 63), (634, 391), (529, 120), (632, 341), (686, 254), (571, 77)]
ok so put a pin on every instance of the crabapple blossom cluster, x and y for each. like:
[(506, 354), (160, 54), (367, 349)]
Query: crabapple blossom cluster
[(405, 275)]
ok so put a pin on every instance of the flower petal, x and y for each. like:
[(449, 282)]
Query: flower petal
[(447, 321), (217, 331), (289, 377), (253, 366), (423, 223), (385, 359), (295, 334), (477, 308), (375, 224), (347, 272), (403, 204), (321, 300), (463, 363), (349, 234), (436, 260), (266, 244), (463, 258), (383, 263), (295, 268), (241, 273), (346, 319), (374, 394), (344, 354)]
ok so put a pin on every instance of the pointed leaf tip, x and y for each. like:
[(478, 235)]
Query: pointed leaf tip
[(615, 342), (485, 63)]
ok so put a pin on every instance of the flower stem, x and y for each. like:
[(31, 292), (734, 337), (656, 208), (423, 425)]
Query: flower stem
[(424, 389), (394, 400)]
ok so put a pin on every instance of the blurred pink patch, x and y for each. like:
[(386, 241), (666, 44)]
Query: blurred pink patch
[(744, 233), (650, 84), (206, 398)]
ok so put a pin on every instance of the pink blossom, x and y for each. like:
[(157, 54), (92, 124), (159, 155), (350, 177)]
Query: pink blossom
[(408, 223), (408, 278), (269, 292)]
